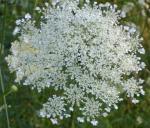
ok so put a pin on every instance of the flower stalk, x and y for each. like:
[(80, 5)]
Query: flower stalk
[(4, 99), (1, 56)]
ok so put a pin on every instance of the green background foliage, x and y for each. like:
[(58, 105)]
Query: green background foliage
[(23, 105)]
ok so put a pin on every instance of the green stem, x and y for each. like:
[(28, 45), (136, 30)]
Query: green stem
[(72, 118), (81, 2), (1, 57), (4, 99), (72, 124), (5, 94), (3, 31), (35, 5)]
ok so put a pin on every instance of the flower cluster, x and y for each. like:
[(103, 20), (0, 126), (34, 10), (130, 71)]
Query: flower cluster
[(83, 54)]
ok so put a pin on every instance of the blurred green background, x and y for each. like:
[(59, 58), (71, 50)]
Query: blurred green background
[(23, 105)]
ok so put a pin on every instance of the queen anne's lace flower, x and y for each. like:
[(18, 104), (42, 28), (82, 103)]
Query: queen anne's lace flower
[(91, 108), (57, 107), (81, 52), (74, 94)]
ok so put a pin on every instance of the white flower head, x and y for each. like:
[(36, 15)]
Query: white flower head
[(74, 95), (16, 31), (18, 22), (91, 109), (80, 119), (53, 108), (54, 121), (94, 122), (27, 16), (83, 55)]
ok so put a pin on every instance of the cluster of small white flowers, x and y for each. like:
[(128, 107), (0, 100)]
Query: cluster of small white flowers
[(57, 107), (81, 52)]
